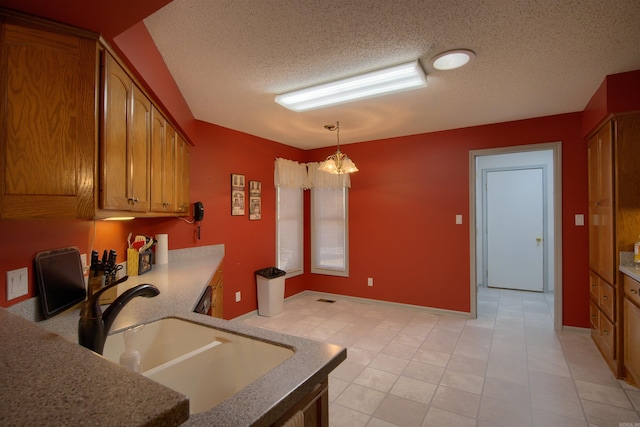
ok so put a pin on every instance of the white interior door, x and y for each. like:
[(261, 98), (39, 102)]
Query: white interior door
[(515, 229)]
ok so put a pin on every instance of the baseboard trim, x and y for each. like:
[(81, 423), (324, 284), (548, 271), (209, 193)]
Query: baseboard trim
[(576, 329)]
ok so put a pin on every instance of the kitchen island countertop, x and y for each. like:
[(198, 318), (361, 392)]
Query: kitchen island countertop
[(181, 283)]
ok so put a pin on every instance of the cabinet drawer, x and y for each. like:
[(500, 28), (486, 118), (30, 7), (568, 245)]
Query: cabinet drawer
[(607, 335), (594, 316), (632, 289), (594, 281), (606, 299)]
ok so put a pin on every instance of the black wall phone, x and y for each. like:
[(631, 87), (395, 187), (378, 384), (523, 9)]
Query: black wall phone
[(198, 211), (198, 214)]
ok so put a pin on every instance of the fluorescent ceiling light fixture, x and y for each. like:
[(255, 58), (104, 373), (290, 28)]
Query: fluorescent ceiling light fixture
[(452, 59), (381, 82)]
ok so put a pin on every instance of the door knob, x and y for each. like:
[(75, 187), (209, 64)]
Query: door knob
[(538, 239)]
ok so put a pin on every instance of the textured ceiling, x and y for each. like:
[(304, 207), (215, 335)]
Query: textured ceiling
[(534, 58)]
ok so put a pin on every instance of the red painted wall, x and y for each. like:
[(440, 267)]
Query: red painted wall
[(402, 210), (617, 93)]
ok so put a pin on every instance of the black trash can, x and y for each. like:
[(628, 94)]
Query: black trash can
[(270, 283)]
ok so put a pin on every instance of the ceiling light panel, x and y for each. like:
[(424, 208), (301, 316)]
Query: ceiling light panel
[(381, 82)]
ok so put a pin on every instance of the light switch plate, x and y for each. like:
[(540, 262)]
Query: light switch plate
[(579, 219), (17, 283), (458, 219), (238, 296)]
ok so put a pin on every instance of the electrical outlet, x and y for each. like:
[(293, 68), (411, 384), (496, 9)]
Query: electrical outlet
[(17, 283), (238, 296), (370, 281)]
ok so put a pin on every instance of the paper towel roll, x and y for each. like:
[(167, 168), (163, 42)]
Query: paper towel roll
[(162, 248)]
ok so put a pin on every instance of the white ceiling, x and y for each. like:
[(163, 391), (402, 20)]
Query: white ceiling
[(534, 58)]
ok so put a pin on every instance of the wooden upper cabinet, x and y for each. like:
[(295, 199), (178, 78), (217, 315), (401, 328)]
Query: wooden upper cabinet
[(126, 139), (163, 154), (47, 123)]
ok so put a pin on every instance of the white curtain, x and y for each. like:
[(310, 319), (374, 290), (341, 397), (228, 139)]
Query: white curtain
[(290, 174), (321, 179)]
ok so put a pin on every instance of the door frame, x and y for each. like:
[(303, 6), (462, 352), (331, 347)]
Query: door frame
[(556, 148), (545, 221)]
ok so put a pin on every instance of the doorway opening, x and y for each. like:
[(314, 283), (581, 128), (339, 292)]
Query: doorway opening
[(522, 179)]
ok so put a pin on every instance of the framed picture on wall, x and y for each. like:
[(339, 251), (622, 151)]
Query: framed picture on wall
[(237, 195), (255, 200)]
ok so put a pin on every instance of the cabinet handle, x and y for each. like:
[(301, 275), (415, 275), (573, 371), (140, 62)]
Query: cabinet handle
[(165, 204), (633, 291), (133, 201), (594, 286), (605, 297), (593, 316), (605, 332)]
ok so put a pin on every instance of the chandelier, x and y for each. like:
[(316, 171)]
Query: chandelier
[(337, 163)]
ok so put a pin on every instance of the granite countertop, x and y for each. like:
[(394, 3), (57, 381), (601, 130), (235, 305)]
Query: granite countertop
[(631, 270), (181, 283), (628, 267)]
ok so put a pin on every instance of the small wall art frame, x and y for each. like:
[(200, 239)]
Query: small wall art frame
[(255, 200), (237, 195)]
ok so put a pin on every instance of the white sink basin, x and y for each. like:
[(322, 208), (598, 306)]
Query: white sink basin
[(206, 364)]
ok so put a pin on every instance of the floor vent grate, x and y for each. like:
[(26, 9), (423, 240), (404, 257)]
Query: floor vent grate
[(326, 300)]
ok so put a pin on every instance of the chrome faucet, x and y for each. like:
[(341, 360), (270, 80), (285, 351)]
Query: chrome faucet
[(94, 325)]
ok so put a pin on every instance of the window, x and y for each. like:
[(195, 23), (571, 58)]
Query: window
[(329, 231), (290, 178), (289, 230)]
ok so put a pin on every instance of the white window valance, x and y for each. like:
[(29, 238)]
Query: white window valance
[(321, 179), (290, 174)]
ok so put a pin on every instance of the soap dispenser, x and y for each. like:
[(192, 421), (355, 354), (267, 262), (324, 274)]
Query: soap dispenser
[(130, 357)]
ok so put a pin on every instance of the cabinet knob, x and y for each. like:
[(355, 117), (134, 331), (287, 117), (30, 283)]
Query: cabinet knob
[(605, 332), (605, 297), (594, 286), (593, 316), (165, 204), (633, 291), (133, 201)]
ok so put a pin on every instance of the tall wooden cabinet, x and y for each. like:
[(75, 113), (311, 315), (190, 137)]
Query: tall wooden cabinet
[(614, 225), (47, 120)]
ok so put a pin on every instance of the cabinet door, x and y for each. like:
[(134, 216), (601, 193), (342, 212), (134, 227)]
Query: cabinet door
[(632, 340), (125, 142), (601, 221), (162, 164), (158, 128), (183, 168), (139, 147), (114, 180), (47, 124)]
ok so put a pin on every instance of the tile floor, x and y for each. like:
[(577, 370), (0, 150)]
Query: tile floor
[(508, 368)]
